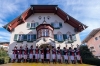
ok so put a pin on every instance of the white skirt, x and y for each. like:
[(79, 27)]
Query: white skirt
[(14, 56), (47, 56), (65, 57), (42, 56), (31, 56), (19, 56), (58, 56), (72, 57), (36, 56), (25, 56), (53, 56), (78, 57)]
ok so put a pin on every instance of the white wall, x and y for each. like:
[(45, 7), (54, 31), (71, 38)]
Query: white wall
[(23, 29)]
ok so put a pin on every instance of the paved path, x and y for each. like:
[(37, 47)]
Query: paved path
[(40, 64)]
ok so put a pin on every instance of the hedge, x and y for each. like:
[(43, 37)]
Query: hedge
[(92, 61), (2, 61)]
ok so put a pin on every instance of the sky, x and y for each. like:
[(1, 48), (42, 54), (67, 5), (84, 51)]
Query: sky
[(85, 11)]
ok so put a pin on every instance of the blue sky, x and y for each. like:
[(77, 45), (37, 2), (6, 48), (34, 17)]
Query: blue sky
[(85, 11)]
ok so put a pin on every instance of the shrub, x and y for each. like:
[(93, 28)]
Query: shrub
[(92, 61), (2, 61)]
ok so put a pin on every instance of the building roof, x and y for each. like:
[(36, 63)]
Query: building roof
[(4, 43), (91, 34), (45, 9)]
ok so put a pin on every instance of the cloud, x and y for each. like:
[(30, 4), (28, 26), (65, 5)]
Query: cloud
[(4, 36), (10, 9), (86, 11)]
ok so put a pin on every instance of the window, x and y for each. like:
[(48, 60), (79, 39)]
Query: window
[(31, 37), (32, 25), (20, 37), (50, 33), (28, 37), (60, 37), (74, 37), (45, 32), (91, 47), (99, 46), (96, 38), (56, 24)]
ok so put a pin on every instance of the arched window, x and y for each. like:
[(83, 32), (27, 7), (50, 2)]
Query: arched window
[(60, 36), (69, 36), (45, 32)]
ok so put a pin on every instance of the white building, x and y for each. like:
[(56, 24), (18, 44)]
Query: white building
[(42, 25)]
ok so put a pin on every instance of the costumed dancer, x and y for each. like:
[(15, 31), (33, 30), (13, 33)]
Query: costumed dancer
[(72, 56), (59, 54), (54, 54), (42, 54), (79, 60), (26, 54), (20, 54), (14, 54), (31, 53), (37, 54), (65, 51), (48, 54)]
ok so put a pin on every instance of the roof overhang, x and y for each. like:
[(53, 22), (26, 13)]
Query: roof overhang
[(45, 9), (91, 34)]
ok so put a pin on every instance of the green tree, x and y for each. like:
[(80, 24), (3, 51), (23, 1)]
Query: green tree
[(85, 52)]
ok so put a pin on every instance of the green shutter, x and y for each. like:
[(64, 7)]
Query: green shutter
[(28, 25), (34, 37), (15, 37), (65, 36), (73, 37), (25, 37), (60, 24), (55, 36), (52, 24), (36, 24)]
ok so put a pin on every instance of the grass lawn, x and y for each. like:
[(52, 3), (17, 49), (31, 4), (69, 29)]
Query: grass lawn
[(41, 64)]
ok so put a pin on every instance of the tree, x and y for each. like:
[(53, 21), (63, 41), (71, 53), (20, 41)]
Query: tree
[(85, 52)]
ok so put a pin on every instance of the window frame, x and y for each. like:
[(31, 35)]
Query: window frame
[(60, 37), (96, 38), (56, 25)]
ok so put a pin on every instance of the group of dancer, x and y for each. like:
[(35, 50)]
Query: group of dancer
[(34, 55)]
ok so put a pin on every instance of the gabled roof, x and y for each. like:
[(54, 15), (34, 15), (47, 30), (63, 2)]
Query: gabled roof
[(91, 34), (45, 9)]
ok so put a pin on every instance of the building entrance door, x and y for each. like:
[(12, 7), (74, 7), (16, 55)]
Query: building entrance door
[(45, 51)]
